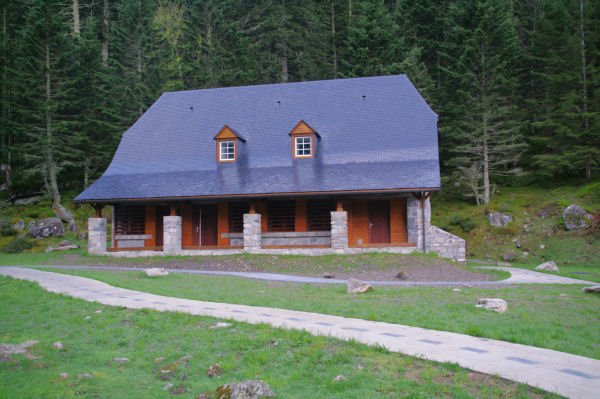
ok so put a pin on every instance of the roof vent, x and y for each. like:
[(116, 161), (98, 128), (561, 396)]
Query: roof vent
[(191, 107), (363, 96), (278, 101)]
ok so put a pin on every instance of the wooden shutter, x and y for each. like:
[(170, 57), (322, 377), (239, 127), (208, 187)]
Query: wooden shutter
[(130, 219), (281, 215), (236, 216), (318, 214)]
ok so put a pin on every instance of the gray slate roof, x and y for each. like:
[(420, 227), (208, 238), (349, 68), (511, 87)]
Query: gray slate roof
[(376, 133)]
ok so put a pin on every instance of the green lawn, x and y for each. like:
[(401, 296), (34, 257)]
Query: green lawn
[(537, 315), (295, 364)]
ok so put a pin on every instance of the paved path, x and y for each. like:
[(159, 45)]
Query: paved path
[(518, 276), (569, 375)]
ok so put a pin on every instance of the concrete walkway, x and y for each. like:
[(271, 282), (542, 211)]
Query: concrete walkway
[(518, 276), (565, 374)]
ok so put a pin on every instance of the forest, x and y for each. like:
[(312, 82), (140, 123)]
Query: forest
[(516, 84)]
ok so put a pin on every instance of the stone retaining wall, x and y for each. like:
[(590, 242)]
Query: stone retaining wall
[(445, 244)]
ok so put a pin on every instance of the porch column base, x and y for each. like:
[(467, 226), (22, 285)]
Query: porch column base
[(339, 230), (171, 234), (97, 236), (252, 232), (414, 222)]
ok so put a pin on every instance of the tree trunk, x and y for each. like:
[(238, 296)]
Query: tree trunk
[(4, 132), (76, 25), (50, 163), (105, 20), (284, 66), (86, 172), (335, 72), (349, 12)]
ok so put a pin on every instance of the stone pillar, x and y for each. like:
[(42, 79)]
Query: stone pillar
[(171, 235), (252, 232), (339, 231), (97, 236), (414, 222)]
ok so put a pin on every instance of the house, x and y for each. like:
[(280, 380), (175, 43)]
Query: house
[(334, 166)]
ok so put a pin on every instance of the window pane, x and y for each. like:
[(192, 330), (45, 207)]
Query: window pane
[(303, 146), (227, 151)]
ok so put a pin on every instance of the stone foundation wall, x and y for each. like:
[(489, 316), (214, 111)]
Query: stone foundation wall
[(339, 231), (445, 244), (97, 236), (414, 220), (171, 234), (285, 238), (252, 232)]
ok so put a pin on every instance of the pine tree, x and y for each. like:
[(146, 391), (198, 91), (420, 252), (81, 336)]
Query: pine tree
[(487, 48)]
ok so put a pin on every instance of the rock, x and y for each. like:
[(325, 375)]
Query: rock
[(518, 244), (29, 200), (63, 376), (509, 257), (98, 311), (6, 350), (121, 360), (328, 275), (159, 359), (562, 295), (155, 271), (498, 219), (401, 275), (340, 378), (167, 387), (356, 286), (549, 266), (576, 217), (84, 375), (18, 225), (214, 370), (495, 304), (58, 345), (542, 246), (221, 325), (82, 236), (548, 210), (456, 290), (63, 246), (595, 289), (72, 227), (46, 228), (87, 317), (250, 389)]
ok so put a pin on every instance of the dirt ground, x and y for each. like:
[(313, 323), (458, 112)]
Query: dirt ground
[(380, 267)]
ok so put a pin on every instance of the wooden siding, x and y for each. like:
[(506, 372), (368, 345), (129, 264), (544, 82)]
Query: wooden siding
[(225, 133), (398, 233), (223, 224), (150, 225), (186, 224), (302, 128), (261, 208), (301, 216)]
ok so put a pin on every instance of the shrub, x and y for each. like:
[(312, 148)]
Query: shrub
[(17, 245), (5, 229), (464, 222), (591, 190)]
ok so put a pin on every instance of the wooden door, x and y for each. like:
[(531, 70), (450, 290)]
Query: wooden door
[(161, 211), (379, 222), (208, 225)]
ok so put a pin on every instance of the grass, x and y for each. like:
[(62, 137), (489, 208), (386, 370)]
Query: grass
[(294, 364), (537, 315)]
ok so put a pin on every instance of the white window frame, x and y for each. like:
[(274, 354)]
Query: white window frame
[(227, 156), (297, 150)]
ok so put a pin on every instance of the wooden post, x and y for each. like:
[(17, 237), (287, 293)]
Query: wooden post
[(252, 207), (173, 210), (340, 206), (98, 209)]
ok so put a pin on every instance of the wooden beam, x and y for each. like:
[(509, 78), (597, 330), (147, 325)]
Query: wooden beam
[(98, 209), (339, 205), (173, 210)]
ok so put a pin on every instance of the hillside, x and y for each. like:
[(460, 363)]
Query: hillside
[(538, 225)]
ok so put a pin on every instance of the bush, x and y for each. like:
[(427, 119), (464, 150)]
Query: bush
[(466, 223), (17, 245), (591, 190), (7, 231)]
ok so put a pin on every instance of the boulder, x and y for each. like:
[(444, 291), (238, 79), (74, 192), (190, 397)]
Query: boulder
[(214, 370), (29, 200), (401, 275), (18, 225), (72, 227), (82, 236), (356, 286), (7, 349), (548, 210), (549, 266), (576, 218), (155, 271), (250, 389), (498, 219), (495, 304), (595, 289), (48, 227), (509, 257)]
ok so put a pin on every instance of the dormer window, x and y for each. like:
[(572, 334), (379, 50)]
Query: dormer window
[(227, 144), (303, 141), (303, 146), (227, 150)]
